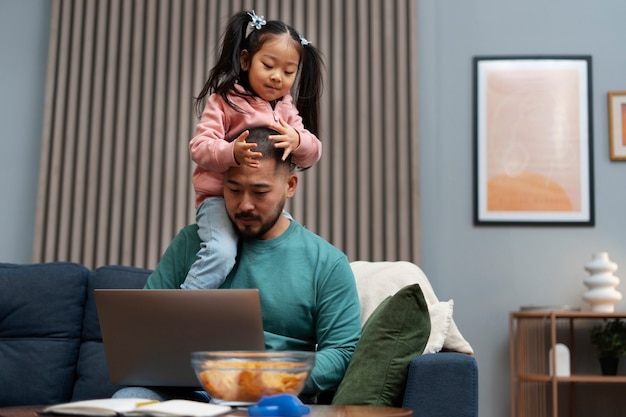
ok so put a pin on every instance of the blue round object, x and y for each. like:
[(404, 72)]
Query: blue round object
[(281, 405)]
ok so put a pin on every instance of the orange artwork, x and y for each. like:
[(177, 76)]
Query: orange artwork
[(533, 148)]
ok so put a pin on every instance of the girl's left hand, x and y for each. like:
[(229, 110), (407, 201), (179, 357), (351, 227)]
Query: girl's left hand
[(289, 139)]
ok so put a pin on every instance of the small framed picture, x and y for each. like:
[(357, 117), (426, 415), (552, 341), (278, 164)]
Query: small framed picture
[(533, 140), (617, 125)]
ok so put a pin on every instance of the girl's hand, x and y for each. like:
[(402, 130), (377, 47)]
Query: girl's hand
[(243, 151), (289, 139)]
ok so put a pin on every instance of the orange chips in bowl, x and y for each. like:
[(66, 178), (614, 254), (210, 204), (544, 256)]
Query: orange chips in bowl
[(239, 378)]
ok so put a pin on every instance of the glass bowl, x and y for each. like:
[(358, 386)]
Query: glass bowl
[(243, 377)]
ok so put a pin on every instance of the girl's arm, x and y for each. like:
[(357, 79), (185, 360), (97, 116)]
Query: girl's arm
[(309, 151), (209, 147)]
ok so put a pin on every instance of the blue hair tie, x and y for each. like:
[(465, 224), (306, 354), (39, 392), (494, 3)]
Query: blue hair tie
[(257, 21), (304, 41)]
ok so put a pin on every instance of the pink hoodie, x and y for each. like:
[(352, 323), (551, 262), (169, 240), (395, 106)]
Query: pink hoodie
[(212, 147)]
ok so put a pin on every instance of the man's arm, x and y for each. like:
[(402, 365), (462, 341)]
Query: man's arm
[(172, 269), (338, 327)]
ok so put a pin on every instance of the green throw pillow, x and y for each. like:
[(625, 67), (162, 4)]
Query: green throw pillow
[(395, 333)]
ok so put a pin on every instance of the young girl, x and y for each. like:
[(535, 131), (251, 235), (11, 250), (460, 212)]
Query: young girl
[(250, 85)]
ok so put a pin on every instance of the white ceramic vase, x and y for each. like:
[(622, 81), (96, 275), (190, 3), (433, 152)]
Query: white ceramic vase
[(601, 282)]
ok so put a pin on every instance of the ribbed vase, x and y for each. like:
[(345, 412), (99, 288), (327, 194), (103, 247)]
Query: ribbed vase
[(601, 282)]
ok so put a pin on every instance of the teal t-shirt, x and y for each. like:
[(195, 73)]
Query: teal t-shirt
[(307, 290)]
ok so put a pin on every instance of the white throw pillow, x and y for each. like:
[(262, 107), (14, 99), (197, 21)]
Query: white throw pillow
[(440, 318), (376, 281)]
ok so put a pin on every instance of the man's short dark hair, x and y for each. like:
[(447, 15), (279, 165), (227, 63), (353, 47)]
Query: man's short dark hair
[(259, 135)]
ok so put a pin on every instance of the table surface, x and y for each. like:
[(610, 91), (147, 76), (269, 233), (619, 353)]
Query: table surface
[(316, 411)]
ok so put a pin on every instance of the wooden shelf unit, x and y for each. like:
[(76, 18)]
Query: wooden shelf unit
[(532, 336)]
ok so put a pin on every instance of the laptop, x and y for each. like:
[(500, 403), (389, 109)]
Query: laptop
[(148, 335)]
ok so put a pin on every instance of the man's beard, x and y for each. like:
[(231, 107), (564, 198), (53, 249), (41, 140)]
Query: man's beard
[(247, 233)]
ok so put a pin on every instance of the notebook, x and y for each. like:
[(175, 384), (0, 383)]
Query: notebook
[(148, 335)]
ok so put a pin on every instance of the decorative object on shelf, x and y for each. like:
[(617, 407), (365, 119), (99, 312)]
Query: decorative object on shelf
[(609, 340), (601, 282), (562, 360), (609, 366)]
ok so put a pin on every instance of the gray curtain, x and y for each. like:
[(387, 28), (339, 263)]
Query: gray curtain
[(122, 74)]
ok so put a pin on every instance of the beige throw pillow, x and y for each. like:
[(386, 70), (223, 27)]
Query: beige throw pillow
[(377, 280)]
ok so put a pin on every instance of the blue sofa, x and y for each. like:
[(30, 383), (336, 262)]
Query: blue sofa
[(51, 348)]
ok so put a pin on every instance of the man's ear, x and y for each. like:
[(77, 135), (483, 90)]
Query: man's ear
[(292, 184), (244, 60)]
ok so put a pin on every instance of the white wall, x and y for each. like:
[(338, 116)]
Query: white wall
[(24, 28), (489, 271)]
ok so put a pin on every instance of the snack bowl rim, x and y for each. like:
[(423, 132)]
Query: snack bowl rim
[(307, 358), (303, 361)]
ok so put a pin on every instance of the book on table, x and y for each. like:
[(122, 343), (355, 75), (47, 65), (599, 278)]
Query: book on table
[(131, 407)]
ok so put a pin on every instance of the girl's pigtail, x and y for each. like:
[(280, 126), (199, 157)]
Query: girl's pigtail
[(227, 69), (310, 87)]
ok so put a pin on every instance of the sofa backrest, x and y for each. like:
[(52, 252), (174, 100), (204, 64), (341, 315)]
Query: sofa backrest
[(50, 343), (92, 377), (41, 317)]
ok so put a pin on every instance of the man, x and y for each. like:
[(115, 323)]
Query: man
[(308, 294)]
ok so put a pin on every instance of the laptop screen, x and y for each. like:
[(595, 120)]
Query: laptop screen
[(148, 335)]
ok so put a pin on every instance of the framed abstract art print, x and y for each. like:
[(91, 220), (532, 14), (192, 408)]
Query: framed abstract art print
[(533, 141)]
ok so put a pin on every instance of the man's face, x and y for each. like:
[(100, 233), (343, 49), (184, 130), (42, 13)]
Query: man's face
[(255, 198)]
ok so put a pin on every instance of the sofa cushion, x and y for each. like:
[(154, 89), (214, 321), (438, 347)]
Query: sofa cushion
[(92, 376), (41, 314), (377, 280), (395, 333)]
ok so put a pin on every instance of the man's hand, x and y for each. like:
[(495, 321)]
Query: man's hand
[(243, 151), (288, 139)]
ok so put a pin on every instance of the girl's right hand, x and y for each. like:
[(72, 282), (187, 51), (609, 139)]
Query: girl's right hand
[(243, 151)]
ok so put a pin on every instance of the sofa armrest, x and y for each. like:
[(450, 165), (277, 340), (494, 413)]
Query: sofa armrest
[(442, 384)]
